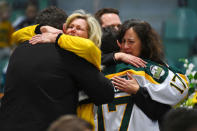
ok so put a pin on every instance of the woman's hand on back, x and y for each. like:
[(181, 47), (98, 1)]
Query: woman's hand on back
[(49, 29), (43, 38)]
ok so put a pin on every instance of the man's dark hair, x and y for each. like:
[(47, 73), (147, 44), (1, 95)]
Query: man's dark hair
[(180, 119), (109, 40), (102, 11), (52, 16)]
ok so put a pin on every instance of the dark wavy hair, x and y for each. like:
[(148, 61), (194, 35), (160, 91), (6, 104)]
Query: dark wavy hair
[(52, 16), (152, 47)]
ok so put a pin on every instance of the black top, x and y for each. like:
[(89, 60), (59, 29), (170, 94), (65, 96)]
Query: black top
[(108, 59), (42, 83)]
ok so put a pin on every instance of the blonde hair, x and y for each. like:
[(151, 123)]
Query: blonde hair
[(94, 29)]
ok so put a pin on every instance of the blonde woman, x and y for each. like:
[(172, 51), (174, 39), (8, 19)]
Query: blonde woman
[(82, 35)]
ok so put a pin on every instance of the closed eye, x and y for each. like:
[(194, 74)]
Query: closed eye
[(70, 26), (131, 41)]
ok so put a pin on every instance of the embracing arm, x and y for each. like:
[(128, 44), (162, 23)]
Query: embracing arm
[(28, 32), (24, 34), (112, 58), (108, 59), (82, 47), (93, 82)]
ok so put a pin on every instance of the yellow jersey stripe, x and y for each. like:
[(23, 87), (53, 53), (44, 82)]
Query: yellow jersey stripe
[(184, 78), (133, 72)]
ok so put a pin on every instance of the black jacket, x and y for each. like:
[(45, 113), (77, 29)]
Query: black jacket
[(42, 83)]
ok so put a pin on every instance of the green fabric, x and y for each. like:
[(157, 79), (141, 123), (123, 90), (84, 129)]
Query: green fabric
[(157, 76)]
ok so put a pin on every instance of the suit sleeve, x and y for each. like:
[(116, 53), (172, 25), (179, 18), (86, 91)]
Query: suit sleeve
[(108, 59), (98, 88)]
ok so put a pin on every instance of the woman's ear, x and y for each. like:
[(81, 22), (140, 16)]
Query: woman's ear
[(118, 43), (64, 28)]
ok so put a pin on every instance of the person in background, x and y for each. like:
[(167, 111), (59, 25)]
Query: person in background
[(6, 43), (180, 119), (70, 123), (110, 17), (2, 80), (29, 18), (6, 30), (43, 81), (142, 95)]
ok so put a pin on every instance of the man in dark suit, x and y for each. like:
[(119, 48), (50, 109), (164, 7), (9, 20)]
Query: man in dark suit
[(43, 81)]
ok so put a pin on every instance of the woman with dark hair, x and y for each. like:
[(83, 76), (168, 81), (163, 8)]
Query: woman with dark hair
[(151, 46), (142, 95)]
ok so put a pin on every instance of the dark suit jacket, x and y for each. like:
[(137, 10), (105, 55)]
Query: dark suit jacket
[(42, 83)]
